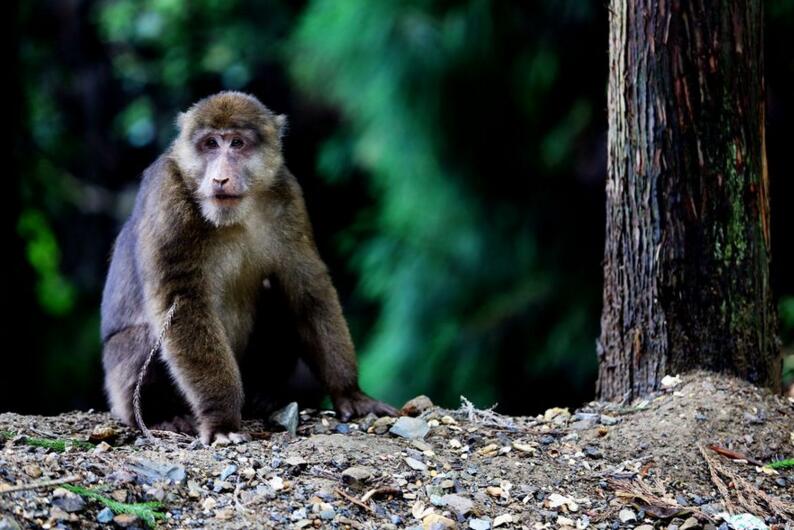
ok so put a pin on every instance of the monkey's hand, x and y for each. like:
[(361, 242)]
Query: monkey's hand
[(357, 403)]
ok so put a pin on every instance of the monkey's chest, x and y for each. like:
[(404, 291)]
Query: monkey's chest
[(237, 276)]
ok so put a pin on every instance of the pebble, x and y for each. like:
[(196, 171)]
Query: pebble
[(502, 519), (288, 418), (105, 515), (381, 425), (8, 523), (435, 521), (150, 471), (410, 428), (457, 503), (609, 420), (479, 524), (209, 504), (67, 501), (625, 515), (415, 464), (417, 405), (125, 520), (32, 470), (228, 471), (644, 527), (690, 524), (357, 475), (343, 428)]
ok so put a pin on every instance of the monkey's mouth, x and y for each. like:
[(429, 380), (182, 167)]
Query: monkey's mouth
[(225, 198)]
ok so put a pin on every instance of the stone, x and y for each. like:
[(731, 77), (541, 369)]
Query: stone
[(126, 520), (627, 515), (228, 471), (608, 420), (435, 521), (690, 524), (410, 428), (8, 523), (381, 425), (150, 471), (457, 503), (479, 524), (357, 475), (105, 515), (67, 501), (415, 464), (502, 520), (287, 417), (417, 405)]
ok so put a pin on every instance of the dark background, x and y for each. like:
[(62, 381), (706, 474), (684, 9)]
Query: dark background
[(452, 154)]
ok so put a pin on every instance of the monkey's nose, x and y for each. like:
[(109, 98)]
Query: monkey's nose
[(220, 182)]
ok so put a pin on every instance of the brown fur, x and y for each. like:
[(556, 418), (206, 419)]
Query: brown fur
[(179, 245)]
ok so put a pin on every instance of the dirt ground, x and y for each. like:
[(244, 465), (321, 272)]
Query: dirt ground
[(640, 465)]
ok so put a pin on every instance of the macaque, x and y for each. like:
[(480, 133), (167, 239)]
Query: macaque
[(220, 232)]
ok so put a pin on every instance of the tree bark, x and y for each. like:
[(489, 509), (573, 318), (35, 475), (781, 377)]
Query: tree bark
[(686, 267)]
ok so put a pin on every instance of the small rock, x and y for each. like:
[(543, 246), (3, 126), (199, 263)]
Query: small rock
[(608, 420), (415, 464), (410, 428), (228, 471), (224, 514), (381, 425), (343, 428), (690, 524), (287, 418), (125, 520), (8, 523), (67, 501), (746, 521), (59, 515), (627, 515), (435, 521), (151, 471), (556, 412), (457, 503), (524, 448), (298, 514), (296, 461), (479, 524), (416, 406), (209, 504), (670, 381), (357, 475), (494, 491), (105, 515), (103, 433), (502, 519), (592, 451), (644, 527), (32, 470), (102, 447)]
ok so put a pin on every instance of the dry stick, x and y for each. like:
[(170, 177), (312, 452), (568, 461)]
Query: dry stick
[(750, 498), (352, 499), (136, 397), (39, 484)]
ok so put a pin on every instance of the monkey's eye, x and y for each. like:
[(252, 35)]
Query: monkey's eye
[(210, 143), (237, 143)]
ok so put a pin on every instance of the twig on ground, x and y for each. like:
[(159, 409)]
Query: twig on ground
[(352, 499), (748, 497), (485, 417), (39, 484), (734, 455), (653, 500), (382, 490)]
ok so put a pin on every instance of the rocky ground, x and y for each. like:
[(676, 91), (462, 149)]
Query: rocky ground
[(690, 457)]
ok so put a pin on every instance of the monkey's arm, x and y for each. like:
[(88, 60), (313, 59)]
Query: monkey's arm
[(322, 327), (195, 347)]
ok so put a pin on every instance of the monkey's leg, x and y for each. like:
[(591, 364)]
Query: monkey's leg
[(162, 407)]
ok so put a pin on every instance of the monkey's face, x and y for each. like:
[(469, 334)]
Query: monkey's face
[(228, 169), (229, 150)]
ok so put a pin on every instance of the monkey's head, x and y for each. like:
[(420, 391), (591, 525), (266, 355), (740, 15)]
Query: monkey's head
[(229, 150)]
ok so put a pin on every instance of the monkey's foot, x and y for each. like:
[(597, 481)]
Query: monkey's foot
[(183, 424), (358, 404)]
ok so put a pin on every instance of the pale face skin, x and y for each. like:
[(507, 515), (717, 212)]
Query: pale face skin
[(229, 167)]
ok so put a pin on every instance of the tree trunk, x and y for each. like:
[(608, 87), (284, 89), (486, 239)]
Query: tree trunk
[(686, 267)]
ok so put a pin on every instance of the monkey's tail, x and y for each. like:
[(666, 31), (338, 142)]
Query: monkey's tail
[(136, 396)]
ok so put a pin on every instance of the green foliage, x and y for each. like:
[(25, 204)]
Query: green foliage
[(782, 464), (58, 446), (146, 511)]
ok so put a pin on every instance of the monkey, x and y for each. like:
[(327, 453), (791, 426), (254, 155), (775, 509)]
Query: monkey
[(219, 240)]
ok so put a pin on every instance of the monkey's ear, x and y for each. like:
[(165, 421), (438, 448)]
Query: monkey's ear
[(281, 125), (181, 120)]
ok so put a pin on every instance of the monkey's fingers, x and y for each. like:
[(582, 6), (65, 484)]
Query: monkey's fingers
[(227, 438), (360, 404)]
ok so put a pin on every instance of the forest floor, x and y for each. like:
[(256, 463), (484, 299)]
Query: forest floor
[(689, 457)]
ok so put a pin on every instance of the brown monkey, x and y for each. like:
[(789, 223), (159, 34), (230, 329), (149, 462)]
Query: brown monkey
[(217, 219)]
